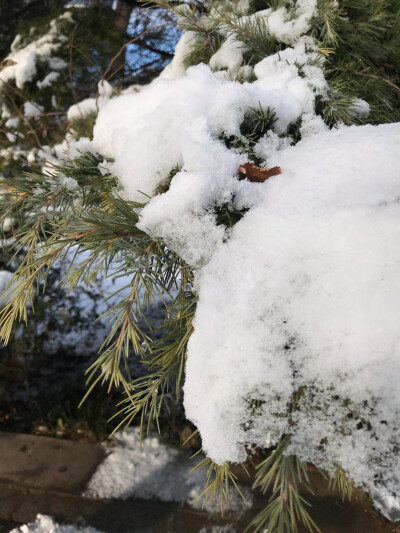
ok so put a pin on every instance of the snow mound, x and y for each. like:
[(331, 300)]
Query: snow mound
[(152, 470)]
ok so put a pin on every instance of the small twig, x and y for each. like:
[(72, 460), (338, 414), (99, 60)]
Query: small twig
[(127, 44), (372, 76), (74, 95), (86, 57), (117, 70), (24, 119), (128, 313)]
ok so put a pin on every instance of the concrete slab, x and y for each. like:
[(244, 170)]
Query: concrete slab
[(47, 463)]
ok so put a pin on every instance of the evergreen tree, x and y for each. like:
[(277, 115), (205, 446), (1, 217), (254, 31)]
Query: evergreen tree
[(340, 60)]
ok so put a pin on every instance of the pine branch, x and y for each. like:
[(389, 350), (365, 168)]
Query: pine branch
[(218, 479), (284, 475)]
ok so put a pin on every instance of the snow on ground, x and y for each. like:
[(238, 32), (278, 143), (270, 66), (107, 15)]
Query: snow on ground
[(153, 470), (45, 524)]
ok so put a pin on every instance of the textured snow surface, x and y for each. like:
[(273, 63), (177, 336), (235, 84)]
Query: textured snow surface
[(45, 524), (306, 293), (152, 470), (287, 26)]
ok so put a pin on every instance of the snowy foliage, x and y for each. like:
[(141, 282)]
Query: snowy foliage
[(24, 58), (300, 298), (296, 330)]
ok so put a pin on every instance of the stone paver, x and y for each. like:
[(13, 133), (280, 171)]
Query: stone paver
[(47, 463)]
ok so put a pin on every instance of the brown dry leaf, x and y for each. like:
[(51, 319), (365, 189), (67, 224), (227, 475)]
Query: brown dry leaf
[(7, 63), (257, 174)]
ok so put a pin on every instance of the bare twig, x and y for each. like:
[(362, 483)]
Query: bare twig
[(127, 44), (86, 57), (367, 74), (70, 46), (23, 118)]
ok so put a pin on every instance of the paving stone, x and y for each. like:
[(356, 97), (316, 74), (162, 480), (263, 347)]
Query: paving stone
[(47, 463)]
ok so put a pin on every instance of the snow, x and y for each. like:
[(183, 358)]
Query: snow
[(48, 79), (32, 110), (306, 294), (303, 293), (176, 68), (229, 55), (45, 524), (11, 137), (5, 278), (104, 89), (287, 26), (12, 122), (91, 105), (386, 503), (188, 129), (360, 108), (153, 470), (82, 109)]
